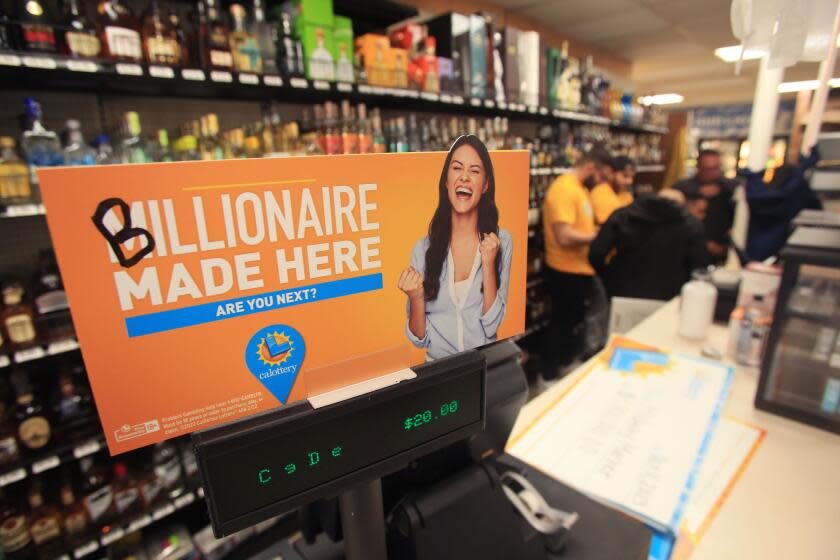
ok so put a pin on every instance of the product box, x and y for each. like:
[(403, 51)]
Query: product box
[(446, 75), (375, 51), (343, 40), (410, 36), (478, 57), (510, 60), (318, 50), (529, 67), (553, 75), (423, 68), (315, 11), (543, 99), (398, 68), (451, 31)]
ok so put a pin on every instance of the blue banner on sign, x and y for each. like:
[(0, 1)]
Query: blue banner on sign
[(172, 319)]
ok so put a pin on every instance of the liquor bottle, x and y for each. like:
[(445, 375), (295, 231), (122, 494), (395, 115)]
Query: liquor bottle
[(210, 148), (415, 143), (267, 135), (267, 37), (35, 23), (118, 29), (76, 151), (40, 146), (150, 485), (332, 135), (379, 142), (44, 523), (15, 539), (75, 515), (253, 149), (133, 148), (33, 428), (127, 498), (365, 141), (160, 149), (243, 44), (290, 51), (18, 324), (8, 442), (160, 43), (181, 38), (14, 177), (190, 464), (104, 150), (96, 491), (7, 42), (349, 135), (213, 36), (186, 148), (80, 39), (401, 137), (72, 400), (168, 468)]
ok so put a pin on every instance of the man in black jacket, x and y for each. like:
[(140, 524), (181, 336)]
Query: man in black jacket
[(649, 249)]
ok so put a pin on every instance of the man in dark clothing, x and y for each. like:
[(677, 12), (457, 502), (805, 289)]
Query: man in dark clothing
[(649, 249), (719, 192)]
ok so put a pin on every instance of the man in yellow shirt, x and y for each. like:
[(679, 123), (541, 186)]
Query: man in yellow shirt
[(616, 191), (569, 228)]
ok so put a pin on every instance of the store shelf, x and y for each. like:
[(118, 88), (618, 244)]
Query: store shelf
[(536, 281), (651, 168), (39, 352), (825, 320), (53, 458), (22, 210), (639, 127), (531, 330), (60, 73)]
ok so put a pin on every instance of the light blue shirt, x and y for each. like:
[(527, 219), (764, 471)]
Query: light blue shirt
[(453, 326)]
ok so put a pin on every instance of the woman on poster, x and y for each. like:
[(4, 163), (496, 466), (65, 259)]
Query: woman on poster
[(458, 280)]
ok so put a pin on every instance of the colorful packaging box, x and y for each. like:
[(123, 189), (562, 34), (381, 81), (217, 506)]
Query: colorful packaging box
[(315, 11), (318, 49), (510, 59), (529, 67), (452, 33), (446, 75), (478, 57), (398, 68), (343, 40), (378, 62)]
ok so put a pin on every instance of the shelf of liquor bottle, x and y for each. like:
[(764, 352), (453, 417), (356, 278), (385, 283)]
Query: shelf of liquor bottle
[(819, 318), (22, 210), (639, 127), (55, 457), (536, 327), (46, 71), (549, 170), (39, 351), (650, 168)]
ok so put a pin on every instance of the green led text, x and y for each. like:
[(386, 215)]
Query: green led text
[(427, 416)]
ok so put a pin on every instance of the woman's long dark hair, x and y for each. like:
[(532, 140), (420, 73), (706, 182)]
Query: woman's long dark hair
[(440, 228)]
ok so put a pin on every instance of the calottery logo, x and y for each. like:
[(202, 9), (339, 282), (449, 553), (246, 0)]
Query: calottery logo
[(274, 356)]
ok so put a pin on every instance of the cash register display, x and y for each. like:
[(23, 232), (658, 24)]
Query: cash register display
[(281, 467)]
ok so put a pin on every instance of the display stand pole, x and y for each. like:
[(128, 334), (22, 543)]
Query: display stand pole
[(363, 522), (818, 105)]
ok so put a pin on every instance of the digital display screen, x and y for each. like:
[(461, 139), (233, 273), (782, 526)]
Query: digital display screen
[(246, 478)]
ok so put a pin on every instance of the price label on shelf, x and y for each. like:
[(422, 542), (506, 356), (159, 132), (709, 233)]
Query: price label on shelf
[(430, 96), (12, 476), (128, 69), (9, 60), (40, 62), (221, 76), (298, 83), (193, 74), (532, 109), (185, 500), (446, 98), (322, 85), (85, 449), (200, 492), (502, 105), (139, 523), (35, 353), (543, 110), (45, 464), (489, 103), (344, 87), (164, 72), (4, 361), (364, 88), (163, 511), (17, 210), (458, 99), (557, 113), (61, 346), (113, 536), (475, 102), (82, 66), (412, 93), (249, 79), (86, 549), (273, 81)]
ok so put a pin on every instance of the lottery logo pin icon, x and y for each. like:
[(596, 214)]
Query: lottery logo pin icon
[(274, 356)]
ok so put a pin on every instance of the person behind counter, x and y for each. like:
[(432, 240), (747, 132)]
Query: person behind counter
[(649, 249), (609, 196), (457, 283)]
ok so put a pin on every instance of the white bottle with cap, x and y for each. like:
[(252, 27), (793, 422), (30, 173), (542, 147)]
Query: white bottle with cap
[(697, 307)]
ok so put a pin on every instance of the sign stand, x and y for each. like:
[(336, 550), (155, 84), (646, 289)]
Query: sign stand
[(363, 522)]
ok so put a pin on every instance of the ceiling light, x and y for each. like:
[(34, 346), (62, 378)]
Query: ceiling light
[(790, 87), (733, 53), (661, 99)]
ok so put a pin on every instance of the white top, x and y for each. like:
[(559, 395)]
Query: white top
[(461, 290)]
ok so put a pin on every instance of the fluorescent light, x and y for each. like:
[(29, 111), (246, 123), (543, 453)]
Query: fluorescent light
[(662, 99), (790, 87), (733, 53)]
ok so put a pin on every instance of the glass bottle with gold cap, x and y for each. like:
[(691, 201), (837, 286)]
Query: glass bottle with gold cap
[(17, 318), (14, 176), (160, 42), (33, 428)]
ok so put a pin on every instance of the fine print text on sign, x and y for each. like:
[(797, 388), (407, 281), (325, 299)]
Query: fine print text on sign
[(202, 292)]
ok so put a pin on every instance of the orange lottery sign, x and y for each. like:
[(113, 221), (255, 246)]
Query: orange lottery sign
[(202, 292)]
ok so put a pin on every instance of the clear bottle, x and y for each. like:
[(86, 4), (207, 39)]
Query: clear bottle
[(379, 142), (80, 39), (161, 150), (160, 43), (14, 177), (133, 148), (290, 52), (401, 144), (17, 317), (36, 27), (213, 36), (243, 44), (104, 150), (119, 31), (96, 491), (415, 143), (267, 37), (44, 523), (41, 147), (168, 469), (77, 152), (33, 428)]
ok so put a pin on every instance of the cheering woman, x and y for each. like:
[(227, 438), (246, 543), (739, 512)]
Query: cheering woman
[(457, 283)]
